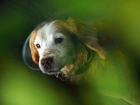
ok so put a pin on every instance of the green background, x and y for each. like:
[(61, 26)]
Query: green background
[(21, 86)]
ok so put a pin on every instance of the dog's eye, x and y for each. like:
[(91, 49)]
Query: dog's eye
[(58, 40), (38, 45)]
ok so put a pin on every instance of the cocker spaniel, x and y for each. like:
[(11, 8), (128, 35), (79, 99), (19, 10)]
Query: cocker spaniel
[(63, 47), (74, 50)]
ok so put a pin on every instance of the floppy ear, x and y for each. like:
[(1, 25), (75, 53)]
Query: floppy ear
[(87, 33), (34, 53)]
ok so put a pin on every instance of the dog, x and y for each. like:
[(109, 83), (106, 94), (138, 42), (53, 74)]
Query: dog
[(74, 50), (61, 48)]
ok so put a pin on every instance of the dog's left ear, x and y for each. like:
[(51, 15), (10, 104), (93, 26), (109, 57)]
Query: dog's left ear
[(87, 33), (34, 53)]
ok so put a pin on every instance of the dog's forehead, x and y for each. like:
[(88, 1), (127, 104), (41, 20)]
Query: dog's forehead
[(48, 28), (49, 31), (45, 31), (52, 28)]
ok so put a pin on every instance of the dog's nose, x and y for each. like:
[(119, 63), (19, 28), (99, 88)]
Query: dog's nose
[(47, 62)]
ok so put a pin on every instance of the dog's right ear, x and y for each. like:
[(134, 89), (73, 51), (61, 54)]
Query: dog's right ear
[(87, 34), (34, 52)]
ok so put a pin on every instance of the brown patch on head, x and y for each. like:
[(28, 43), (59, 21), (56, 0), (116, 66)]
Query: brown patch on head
[(34, 52), (84, 35), (86, 32)]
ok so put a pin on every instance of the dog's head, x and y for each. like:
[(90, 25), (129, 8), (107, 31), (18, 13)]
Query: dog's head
[(61, 47)]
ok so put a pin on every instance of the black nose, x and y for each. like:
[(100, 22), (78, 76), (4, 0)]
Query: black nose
[(47, 62)]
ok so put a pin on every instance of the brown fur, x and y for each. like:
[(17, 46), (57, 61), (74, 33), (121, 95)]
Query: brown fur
[(87, 34), (34, 53), (108, 69), (82, 33), (84, 36)]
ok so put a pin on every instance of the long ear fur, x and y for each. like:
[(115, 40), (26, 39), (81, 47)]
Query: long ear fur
[(87, 33), (34, 53)]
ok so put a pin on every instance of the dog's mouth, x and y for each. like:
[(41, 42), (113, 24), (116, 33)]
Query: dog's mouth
[(63, 73), (58, 73)]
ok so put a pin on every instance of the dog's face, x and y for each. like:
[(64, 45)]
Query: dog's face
[(55, 48), (60, 47)]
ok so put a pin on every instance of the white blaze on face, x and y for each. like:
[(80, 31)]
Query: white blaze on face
[(61, 52)]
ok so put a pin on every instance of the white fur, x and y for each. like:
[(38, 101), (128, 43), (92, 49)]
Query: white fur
[(45, 37)]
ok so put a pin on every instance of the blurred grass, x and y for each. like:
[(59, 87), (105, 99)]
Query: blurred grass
[(20, 86)]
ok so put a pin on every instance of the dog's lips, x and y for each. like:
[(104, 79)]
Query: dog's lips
[(52, 72), (63, 73), (58, 73)]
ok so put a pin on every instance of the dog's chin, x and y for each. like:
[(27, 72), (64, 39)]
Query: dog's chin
[(63, 73), (60, 73)]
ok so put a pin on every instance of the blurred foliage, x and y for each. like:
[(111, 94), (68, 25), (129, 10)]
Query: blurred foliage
[(21, 86)]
